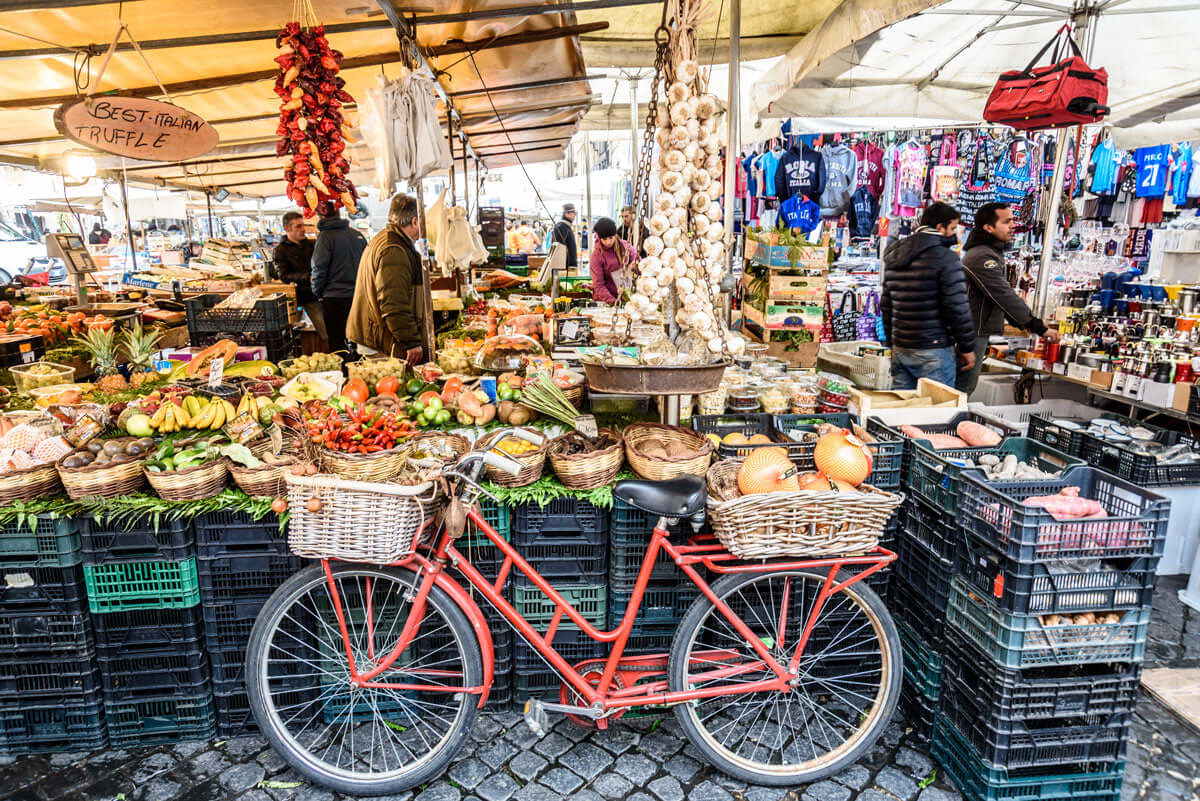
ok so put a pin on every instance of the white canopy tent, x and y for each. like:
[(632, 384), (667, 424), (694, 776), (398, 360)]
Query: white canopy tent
[(933, 63)]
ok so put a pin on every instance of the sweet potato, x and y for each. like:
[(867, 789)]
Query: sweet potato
[(976, 435), (486, 414)]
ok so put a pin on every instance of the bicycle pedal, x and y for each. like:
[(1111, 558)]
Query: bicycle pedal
[(535, 717)]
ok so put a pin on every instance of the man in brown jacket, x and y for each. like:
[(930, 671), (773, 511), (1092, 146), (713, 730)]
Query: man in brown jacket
[(388, 313)]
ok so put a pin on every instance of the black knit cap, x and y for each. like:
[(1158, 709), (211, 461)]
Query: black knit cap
[(605, 228)]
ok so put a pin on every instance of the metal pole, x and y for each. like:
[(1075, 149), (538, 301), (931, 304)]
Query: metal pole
[(128, 222), (587, 177), (450, 138), (208, 201), (732, 128), (633, 162), (1056, 184)]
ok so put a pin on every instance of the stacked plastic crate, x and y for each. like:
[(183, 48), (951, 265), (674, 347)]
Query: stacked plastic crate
[(240, 562), (567, 542), (50, 692), (488, 560), (144, 598), (1046, 631)]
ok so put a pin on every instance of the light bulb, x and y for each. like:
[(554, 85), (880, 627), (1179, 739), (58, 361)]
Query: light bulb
[(81, 167)]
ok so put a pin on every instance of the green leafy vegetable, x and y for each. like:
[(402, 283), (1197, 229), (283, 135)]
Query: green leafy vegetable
[(928, 780)]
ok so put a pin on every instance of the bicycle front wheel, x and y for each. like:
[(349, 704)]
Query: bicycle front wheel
[(353, 739), (846, 690)]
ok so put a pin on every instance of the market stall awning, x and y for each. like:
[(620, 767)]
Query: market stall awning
[(215, 59), (872, 59)]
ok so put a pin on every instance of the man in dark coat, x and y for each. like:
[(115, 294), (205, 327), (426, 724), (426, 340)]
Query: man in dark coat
[(564, 232), (334, 273), (924, 303), (992, 297), (293, 265)]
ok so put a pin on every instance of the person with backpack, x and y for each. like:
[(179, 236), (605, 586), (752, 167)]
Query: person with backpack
[(924, 303)]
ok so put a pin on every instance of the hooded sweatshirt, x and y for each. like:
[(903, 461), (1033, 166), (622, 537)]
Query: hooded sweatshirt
[(924, 303), (841, 170), (992, 298), (801, 171)]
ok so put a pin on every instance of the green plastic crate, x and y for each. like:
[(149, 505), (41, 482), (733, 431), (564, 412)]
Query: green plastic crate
[(590, 601), (50, 542), (160, 721), (121, 586), (922, 664), (497, 516)]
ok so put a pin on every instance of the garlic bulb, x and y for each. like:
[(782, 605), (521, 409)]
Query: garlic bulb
[(664, 202), (660, 116), (673, 235), (678, 92), (665, 279), (700, 179), (683, 196), (688, 172), (709, 125), (672, 180), (675, 160), (677, 217), (646, 285), (679, 136), (657, 224), (685, 285), (679, 114), (653, 245), (700, 201), (706, 106), (687, 71), (663, 137), (700, 224), (712, 163), (714, 233), (715, 190), (714, 212), (668, 256), (693, 129), (690, 151)]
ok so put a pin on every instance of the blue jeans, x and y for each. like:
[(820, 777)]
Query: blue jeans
[(938, 364)]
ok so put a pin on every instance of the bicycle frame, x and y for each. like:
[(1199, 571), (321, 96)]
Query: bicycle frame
[(603, 697)]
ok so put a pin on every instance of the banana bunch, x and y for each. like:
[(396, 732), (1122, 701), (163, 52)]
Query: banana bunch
[(211, 413), (200, 412), (170, 417)]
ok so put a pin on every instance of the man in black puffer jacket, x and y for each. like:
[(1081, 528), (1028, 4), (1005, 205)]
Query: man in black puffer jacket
[(924, 304)]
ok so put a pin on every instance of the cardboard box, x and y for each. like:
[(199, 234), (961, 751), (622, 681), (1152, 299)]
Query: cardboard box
[(808, 288), (1156, 394), (1183, 395), (1101, 379), (928, 403), (785, 316)]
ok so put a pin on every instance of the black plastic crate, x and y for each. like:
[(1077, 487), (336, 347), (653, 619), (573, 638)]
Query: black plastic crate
[(154, 674), (918, 712), (630, 526), (887, 451), (267, 314), (234, 577), (650, 640), (911, 607), (1059, 586), (748, 425), (40, 677), (625, 563), (40, 541), (221, 534), (994, 512), (159, 721), (925, 572), (543, 684), (33, 590), (923, 665), (139, 630), (1012, 744), (34, 726), (1040, 693), (18, 349), (231, 705), (892, 432), (169, 541), (279, 345), (1067, 439), (1141, 468), (931, 527), (565, 521), (228, 625), (664, 603), (62, 630), (584, 563), (571, 644)]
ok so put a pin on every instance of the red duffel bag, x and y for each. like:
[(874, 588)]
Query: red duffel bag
[(1065, 92)]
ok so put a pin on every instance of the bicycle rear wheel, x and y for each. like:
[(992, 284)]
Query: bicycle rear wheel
[(360, 740), (848, 683)]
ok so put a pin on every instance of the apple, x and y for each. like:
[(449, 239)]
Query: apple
[(139, 425)]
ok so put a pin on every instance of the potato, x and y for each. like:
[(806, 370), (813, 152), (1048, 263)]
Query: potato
[(504, 410), (520, 415), (486, 414)]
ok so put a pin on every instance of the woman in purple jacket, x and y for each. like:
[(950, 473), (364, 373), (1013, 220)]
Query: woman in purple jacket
[(610, 256)]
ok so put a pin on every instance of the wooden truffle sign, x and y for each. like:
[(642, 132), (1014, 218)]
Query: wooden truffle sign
[(136, 127)]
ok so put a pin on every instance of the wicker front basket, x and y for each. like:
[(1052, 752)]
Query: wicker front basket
[(357, 521), (266, 480), (378, 466), (28, 484), (532, 463), (102, 480), (657, 468), (808, 523), (192, 483), (585, 471)]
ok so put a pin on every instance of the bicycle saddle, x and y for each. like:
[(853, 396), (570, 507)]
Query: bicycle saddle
[(678, 497)]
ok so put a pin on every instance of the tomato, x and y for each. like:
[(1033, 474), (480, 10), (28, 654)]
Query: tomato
[(356, 389), (429, 395), (454, 385), (388, 385)]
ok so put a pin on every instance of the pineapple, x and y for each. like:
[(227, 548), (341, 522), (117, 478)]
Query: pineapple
[(102, 347), (140, 344)]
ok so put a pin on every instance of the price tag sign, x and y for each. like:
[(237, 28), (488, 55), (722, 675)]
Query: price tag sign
[(216, 369), (586, 425), (243, 428)]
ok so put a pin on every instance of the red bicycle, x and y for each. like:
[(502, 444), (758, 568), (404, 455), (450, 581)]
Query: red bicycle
[(367, 679)]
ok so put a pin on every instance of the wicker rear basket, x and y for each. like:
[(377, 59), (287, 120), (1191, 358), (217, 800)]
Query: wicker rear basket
[(658, 468), (191, 484), (807, 523), (585, 471), (357, 521), (532, 463)]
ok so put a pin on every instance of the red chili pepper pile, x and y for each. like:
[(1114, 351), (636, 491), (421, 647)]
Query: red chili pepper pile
[(369, 430), (310, 120)]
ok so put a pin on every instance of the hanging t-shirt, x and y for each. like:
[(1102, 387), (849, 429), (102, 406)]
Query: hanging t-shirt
[(799, 212), (911, 164), (870, 167), (1181, 173), (1193, 189), (887, 200), (770, 166), (1152, 166), (1104, 168), (975, 187), (751, 178)]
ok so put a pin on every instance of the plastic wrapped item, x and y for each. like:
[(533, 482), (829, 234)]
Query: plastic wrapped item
[(507, 352), (773, 398), (658, 353), (805, 397), (713, 402), (744, 398)]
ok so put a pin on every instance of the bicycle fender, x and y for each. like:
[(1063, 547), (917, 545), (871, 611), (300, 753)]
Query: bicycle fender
[(478, 622)]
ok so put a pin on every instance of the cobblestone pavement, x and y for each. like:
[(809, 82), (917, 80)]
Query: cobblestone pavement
[(638, 760)]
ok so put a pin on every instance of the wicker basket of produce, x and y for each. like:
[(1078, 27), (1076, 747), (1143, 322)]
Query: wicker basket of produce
[(659, 452), (28, 483), (797, 523), (584, 464), (265, 480), (378, 466), (358, 521), (436, 447), (105, 469), (532, 457), (30, 443), (193, 483)]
